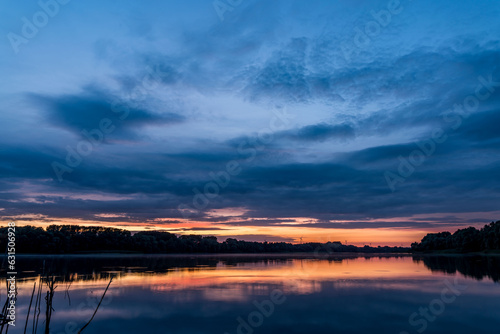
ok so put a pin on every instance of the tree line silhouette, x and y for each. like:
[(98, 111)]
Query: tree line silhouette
[(464, 240), (67, 239)]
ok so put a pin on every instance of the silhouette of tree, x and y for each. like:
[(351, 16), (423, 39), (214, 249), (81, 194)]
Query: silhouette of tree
[(66, 239), (464, 240)]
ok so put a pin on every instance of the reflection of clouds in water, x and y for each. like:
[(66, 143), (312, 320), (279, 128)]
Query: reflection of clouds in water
[(206, 296), (228, 294), (302, 287)]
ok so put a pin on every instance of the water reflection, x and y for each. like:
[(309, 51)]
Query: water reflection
[(473, 266), (211, 294)]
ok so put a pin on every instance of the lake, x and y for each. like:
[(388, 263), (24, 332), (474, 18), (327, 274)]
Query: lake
[(295, 293)]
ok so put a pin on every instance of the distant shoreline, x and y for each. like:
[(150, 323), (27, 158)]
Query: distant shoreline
[(313, 255), (309, 255), (184, 255), (73, 239)]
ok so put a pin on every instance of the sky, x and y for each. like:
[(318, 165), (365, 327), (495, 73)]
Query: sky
[(371, 122)]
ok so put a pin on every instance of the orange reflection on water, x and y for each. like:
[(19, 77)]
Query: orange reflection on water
[(238, 283), (301, 276)]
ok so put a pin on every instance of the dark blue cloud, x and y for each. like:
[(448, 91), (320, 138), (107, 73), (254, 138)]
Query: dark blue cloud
[(86, 111), (321, 132)]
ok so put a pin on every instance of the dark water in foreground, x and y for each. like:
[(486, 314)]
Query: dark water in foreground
[(267, 294)]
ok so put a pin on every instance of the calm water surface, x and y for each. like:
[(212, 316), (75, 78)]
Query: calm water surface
[(266, 294)]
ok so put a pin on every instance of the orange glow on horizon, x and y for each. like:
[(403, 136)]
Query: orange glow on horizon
[(285, 232), (292, 230)]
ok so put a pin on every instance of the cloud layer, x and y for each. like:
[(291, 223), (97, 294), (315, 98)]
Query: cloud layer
[(403, 127)]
